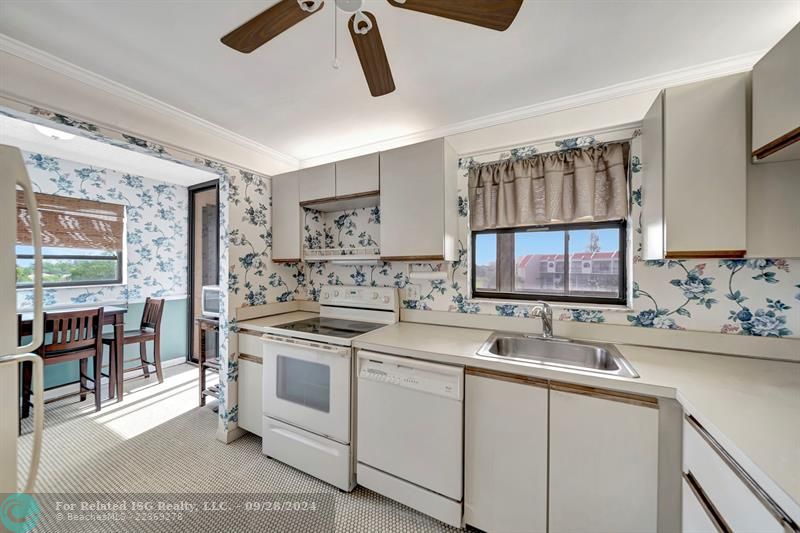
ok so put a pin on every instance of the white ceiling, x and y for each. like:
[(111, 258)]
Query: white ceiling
[(21, 134), (286, 96)]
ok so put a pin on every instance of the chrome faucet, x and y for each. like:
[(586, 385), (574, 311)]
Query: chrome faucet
[(545, 312)]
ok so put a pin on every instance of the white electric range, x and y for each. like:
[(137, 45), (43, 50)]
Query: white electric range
[(308, 385)]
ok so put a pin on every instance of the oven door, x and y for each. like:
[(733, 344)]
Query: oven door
[(307, 384)]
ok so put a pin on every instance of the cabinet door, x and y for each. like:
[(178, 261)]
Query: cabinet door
[(358, 175), (653, 181), (776, 115), (705, 168), (505, 453), (285, 218), (603, 462), (250, 395), (418, 202), (317, 182)]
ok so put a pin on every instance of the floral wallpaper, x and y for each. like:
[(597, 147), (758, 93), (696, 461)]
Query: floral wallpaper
[(756, 297), (253, 279), (156, 229)]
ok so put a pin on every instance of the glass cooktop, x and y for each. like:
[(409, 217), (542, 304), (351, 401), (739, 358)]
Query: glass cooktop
[(334, 327)]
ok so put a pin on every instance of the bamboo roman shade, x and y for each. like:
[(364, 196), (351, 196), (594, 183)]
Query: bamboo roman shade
[(582, 184), (73, 223)]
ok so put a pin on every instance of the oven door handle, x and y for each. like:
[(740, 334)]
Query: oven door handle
[(302, 343)]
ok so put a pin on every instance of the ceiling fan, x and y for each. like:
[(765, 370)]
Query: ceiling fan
[(494, 14)]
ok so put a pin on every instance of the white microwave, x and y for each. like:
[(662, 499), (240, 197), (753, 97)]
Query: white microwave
[(210, 300)]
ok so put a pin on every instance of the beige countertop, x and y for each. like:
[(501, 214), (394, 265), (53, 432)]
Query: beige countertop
[(751, 406)]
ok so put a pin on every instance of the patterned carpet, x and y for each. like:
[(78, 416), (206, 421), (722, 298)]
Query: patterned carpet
[(157, 446)]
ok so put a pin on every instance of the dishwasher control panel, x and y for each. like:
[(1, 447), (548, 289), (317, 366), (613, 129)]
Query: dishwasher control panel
[(444, 381)]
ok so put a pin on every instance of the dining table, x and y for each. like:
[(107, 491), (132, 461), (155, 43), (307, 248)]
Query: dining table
[(113, 315)]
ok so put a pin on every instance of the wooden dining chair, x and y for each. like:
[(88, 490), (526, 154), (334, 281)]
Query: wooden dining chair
[(149, 330), (74, 336)]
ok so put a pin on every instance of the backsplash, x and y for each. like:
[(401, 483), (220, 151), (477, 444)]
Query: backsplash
[(759, 297), (156, 215)]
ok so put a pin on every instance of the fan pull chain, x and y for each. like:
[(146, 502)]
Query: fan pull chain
[(335, 63)]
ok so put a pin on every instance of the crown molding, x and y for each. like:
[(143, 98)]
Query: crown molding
[(703, 71), (70, 70)]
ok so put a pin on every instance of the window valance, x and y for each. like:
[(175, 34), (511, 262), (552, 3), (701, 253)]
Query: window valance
[(73, 223), (581, 184)]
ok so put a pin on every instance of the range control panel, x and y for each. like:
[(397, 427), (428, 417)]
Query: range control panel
[(382, 298)]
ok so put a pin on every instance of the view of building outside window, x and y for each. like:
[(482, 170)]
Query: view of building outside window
[(486, 261), (540, 266), (594, 262)]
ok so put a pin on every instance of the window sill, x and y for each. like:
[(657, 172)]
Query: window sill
[(554, 305), (66, 287)]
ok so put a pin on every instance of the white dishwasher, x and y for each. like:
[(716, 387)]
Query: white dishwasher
[(410, 433)]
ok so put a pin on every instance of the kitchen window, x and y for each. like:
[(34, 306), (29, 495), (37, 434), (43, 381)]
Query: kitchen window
[(577, 262), (82, 242)]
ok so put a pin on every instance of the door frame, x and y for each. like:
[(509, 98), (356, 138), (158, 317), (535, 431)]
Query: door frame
[(200, 187)]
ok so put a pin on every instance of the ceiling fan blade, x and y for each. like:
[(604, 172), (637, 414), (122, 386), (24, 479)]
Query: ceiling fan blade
[(372, 55), (268, 25), (493, 14)]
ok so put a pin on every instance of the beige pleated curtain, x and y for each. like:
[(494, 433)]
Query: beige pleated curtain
[(582, 184)]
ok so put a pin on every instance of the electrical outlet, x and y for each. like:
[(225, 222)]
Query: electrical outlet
[(412, 292)]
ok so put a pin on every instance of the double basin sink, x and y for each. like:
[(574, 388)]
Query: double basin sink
[(558, 352)]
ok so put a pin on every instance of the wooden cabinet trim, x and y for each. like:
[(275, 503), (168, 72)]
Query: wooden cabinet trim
[(251, 358), (290, 260), (317, 201), (616, 396), (778, 144), (705, 254), (506, 376)]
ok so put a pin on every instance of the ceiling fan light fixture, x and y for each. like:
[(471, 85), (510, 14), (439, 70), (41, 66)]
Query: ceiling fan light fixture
[(350, 6)]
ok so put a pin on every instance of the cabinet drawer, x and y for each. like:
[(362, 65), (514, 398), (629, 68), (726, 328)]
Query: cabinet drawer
[(698, 513), (250, 343), (742, 504)]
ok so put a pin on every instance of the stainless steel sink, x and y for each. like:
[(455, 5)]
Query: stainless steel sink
[(591, 356)]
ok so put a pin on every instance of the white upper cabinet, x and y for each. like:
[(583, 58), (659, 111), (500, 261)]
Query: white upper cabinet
[(419, 202), (776, 101), (694, 185), (505, 452), (317, 182), (286, 218), (603, 462), (358, 175)]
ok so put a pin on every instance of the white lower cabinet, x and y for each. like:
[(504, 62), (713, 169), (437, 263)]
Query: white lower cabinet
[(250, 394), (505, 452), (603, 461), (739, 503)]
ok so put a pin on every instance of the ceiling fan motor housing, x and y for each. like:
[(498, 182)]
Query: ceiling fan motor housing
[(349, 6)]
